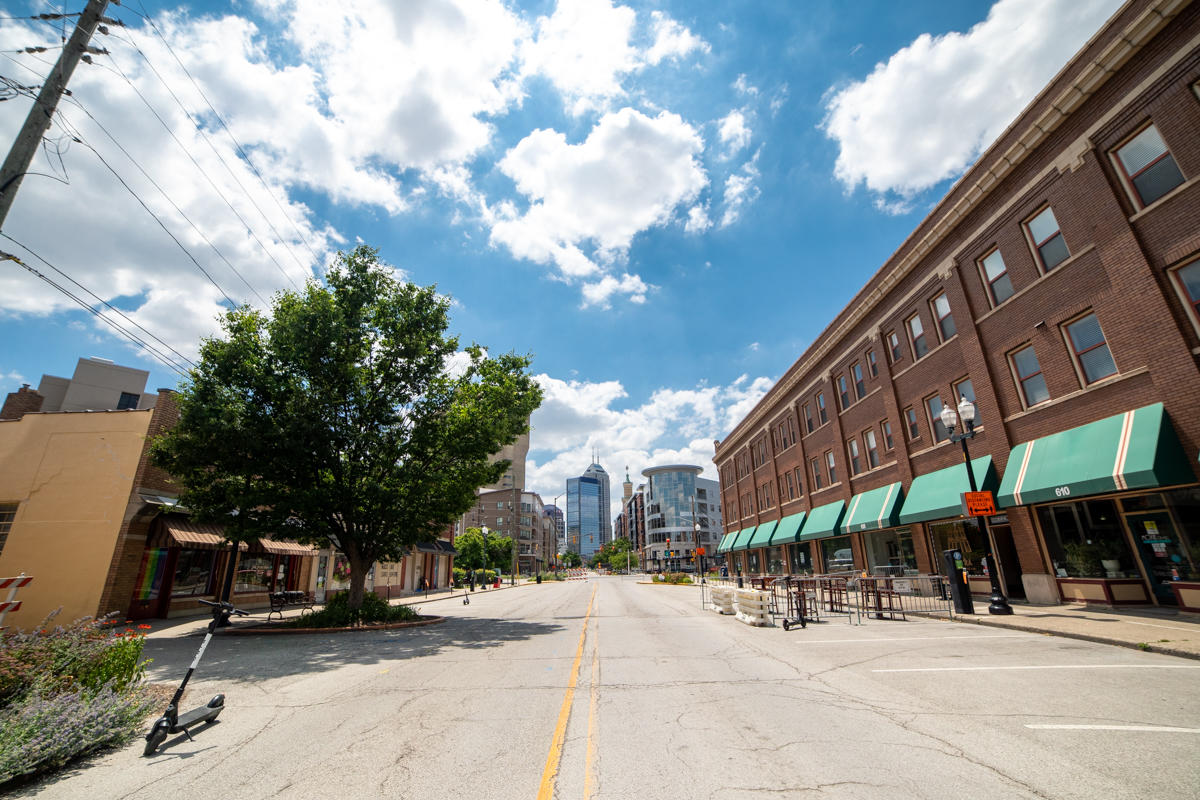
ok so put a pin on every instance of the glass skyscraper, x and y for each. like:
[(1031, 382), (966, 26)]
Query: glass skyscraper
[(588, 523)]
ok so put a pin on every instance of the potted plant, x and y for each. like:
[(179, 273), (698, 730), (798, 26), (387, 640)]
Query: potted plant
[(1110, 551), (1083, 559)]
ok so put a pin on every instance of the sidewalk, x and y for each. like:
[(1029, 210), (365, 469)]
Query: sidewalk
[(1157, 630)]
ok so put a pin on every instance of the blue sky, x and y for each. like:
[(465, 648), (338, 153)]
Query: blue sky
[(663, 202)]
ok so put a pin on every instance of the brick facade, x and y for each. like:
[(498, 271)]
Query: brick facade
[(21, 402), (1143, 67)]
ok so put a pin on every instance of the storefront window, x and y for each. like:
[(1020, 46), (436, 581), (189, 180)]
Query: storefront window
[(1085, 540), (963, 535), (752, 562), (775, 560), (154, 564), (891, 552), (1185, 503), (837, 554), (193, 573), (254, 574), (798, 558)]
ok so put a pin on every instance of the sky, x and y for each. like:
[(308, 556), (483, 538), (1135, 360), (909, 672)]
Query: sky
[(662, 202)]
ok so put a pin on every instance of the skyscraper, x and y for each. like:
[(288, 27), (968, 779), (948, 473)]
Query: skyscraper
[(588, 524)]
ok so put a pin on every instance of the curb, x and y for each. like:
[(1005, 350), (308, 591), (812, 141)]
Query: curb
[(1086, 637), (279, 629)]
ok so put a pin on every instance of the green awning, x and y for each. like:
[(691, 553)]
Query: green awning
[(788, 530), (1134, 450), (726, 541), (938, 495), (743, 539), (823, 521), (876, 509), (762, 535)]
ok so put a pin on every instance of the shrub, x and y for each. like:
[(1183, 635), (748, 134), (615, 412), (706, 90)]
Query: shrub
[(338, 614), (673, 577), (460, 576)]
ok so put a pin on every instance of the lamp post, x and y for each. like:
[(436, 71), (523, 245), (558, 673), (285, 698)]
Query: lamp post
[(950, 418), (696, 542), (484, 530)]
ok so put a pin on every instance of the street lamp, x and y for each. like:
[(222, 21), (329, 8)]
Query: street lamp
[(484, 530), (950, 418)]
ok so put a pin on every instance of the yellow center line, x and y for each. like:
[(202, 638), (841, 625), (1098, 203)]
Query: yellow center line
[(546, 790), (589, 773)]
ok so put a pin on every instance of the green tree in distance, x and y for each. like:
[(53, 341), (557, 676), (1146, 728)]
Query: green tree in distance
[(339, 418), (615, 555), (571, 560), (469, 545)]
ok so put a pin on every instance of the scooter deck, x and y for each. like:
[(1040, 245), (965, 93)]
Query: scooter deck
[(197, 715)]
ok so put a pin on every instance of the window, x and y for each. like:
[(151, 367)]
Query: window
[(996, 275), (872, 364), (128, 401), (791, 486), (1091, 351), (894, 346), (832, 467), (872, 447), (1029, 377), (860, 388), (799, 481), (888, 442), (855, 458), (1189, 282), (964, 388), (916, 333), (843, 392), (910, 419), (821, 408), (934, 406), (816, 473), (945, 321), (1047, 239), (8, 512), (1148, 166)]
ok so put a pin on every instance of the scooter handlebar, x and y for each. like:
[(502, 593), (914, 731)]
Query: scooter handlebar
[(226, 607)]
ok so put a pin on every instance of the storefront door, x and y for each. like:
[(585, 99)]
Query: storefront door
[(1159, 549)]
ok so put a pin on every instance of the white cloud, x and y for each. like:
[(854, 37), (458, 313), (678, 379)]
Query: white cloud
[(629, 175), (743, 86), (733, 132), (598, 293), (754, 347), (673, 426), (697, 219), (740, 191), (671, 40), (928, 112)]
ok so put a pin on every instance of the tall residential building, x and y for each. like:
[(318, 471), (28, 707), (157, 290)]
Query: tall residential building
[(671, 495), (555, 515), (514, 476), (588, 524)]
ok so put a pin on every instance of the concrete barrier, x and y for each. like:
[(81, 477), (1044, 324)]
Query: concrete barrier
[(722, 600), (751, 606)]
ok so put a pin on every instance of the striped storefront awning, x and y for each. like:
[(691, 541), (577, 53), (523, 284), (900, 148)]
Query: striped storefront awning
[(938, 494), (1134, 450), (823, 521), (874, 510), (180, 530), (286, 547), (788, 530)]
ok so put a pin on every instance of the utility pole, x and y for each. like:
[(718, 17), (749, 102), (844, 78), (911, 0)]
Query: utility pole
[(42, 113)]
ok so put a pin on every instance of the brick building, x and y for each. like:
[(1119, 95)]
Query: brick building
[(1057, 285)]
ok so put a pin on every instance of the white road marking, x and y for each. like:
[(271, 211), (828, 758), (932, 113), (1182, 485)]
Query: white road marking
[(1147, 728), (918, 638), (1171, 627), (1048, 666)]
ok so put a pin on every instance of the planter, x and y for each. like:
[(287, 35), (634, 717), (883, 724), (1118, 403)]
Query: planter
[(1187, 595), (1112, 567)]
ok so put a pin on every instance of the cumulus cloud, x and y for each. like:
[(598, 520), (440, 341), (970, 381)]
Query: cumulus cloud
[(697, 219), (733, 132), (673, 426), (630, 174), (740, 191), (671, 40), (931, 109)]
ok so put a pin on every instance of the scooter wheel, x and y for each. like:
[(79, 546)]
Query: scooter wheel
[(156, 736), (786, 624)]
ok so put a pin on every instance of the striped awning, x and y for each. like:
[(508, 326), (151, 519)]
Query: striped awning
[(182, 531), (871, 511), (286, 547)]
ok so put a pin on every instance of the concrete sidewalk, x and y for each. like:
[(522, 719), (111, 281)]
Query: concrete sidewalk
[(1157, 630)]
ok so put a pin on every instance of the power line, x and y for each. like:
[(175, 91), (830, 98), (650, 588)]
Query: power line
[(203, 171), (133, 338), (99, 299), (236, 143)]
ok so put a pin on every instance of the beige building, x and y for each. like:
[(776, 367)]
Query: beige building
[(97, 385)]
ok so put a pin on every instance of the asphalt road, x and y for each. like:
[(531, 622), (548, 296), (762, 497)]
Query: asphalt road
[(614, 689)]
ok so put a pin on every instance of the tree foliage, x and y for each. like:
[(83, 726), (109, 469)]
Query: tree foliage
[(338, 418), (470, 547), (615, 555), (571, 560)]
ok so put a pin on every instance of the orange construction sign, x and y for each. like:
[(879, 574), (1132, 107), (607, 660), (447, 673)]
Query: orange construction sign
[(700, 550), (979, 504)]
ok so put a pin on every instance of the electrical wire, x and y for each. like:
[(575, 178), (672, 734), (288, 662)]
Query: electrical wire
[(241, 151), (133, 338), (99, 299)]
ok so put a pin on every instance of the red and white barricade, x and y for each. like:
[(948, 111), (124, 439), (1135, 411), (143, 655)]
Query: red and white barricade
[(12, 584)]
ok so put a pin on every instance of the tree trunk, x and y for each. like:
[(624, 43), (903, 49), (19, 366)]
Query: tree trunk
[(358, 577)]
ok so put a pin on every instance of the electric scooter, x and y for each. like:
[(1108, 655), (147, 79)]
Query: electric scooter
[(174, 722)]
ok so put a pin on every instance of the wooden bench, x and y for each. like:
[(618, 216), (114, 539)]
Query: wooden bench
[(281, 600)]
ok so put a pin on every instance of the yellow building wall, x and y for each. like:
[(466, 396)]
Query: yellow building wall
[(71, 475)]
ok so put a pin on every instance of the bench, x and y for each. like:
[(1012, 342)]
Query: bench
[(281, 600)]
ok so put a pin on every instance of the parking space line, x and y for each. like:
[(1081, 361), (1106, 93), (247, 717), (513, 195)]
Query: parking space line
[(1045, 666)]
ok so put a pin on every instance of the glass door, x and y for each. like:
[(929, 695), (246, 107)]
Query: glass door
[(1159, 549)]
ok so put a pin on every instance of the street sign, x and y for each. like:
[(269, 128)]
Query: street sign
[(979, 504), (700, 551)]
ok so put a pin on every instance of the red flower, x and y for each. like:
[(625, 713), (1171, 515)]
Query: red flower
[(144, 627)]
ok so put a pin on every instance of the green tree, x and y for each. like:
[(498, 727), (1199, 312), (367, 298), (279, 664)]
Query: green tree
[(338, 418), (571, 560), (470, 547)]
